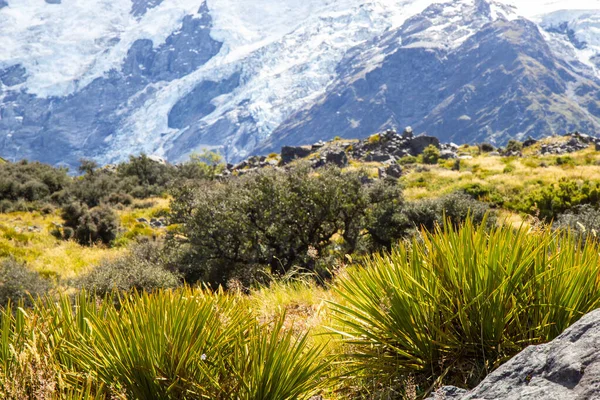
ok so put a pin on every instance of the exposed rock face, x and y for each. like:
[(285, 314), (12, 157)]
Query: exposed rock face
[(289, 153), (568, 368)]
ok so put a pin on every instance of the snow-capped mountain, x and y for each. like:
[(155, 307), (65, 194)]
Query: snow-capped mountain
[(110, 78)]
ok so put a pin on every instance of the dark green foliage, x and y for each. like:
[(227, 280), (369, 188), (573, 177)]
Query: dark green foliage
[(120, 198), (455, 208), (30, 181), (514, 146), (386, 221), (18, 282), (141, 269), (486, 148), (268, 219), (485, 193), (550, 201), (87, 167), (100, 224), (431, 155), (565, 160), (31, 185)]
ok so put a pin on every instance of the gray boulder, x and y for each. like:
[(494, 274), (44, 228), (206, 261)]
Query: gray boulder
[(448, 393), (568, 368), (419, 143), (290, 153), (338, 158), (393, 171)]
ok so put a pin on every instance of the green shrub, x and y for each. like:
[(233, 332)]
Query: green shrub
[(6, 206), (484, 193), (513, 146), (100, 224), (19, 283), (431, 155), (457, 303), (120, 198), (406, 160), (565, 161), (386, 221), (267, 219), (456, 207), (550, 201), (141, 269)]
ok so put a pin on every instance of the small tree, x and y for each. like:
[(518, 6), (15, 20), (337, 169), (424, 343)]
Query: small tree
[(87, 167), (273, 219)]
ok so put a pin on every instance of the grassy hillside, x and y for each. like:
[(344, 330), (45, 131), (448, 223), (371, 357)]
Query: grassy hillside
[(335, 283)]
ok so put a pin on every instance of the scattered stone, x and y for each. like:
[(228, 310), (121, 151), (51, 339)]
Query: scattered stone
[(576, 142), (408, 133), (448, 155)]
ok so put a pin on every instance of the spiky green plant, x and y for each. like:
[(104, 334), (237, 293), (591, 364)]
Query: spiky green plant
[(196, 344), (182, 344), (457, 302)]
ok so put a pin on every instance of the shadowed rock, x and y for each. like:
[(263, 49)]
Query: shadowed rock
[(568, 368)]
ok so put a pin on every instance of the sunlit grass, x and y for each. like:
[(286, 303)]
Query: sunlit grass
[(27, 237)]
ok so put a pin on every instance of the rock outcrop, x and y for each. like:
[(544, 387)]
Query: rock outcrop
[(385, 148), (576, 142), (568, 368)]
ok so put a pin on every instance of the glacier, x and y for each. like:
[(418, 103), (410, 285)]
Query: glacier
[(272, 58)]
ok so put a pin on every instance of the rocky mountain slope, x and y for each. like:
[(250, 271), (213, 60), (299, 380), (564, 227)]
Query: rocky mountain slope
[(107, 79)]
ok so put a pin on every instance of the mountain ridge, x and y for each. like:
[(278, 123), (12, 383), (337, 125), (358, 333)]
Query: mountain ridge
[(230, 77)]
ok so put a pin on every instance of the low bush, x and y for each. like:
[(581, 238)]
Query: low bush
[(486, 148), (583, 221), (100, 224), (268, 219), (552, 200), (19, 283), (453, 305), (456, 208), (141, 269), (513, 146), (431, 155)]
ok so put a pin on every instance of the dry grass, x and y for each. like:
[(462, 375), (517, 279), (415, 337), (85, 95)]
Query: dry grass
[(26, 236), (508, 176)]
